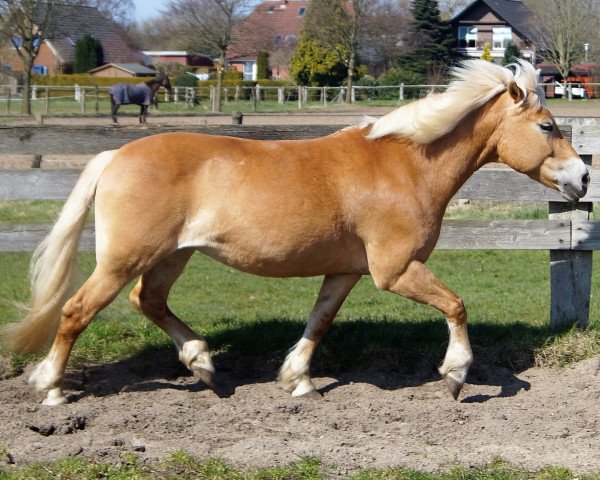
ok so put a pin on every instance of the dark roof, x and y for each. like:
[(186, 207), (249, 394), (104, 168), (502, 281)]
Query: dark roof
[(76, 21), (513, 12), (134, 68)]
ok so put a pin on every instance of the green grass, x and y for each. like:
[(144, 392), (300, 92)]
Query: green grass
[(506, 293), (181, 466)]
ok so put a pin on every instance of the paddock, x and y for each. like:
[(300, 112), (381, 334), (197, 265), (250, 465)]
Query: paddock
[(369, 417)]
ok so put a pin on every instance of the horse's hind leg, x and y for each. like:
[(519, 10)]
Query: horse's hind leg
[(150, 297), (295, 372), (97, 292)]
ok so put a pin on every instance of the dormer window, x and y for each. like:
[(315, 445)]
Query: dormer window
[(301, 11), (501, 36), (271, 9)]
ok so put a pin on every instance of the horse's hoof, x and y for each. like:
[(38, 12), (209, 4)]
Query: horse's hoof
[(54, 397), (206, 376), (454, 386), (312, 395)]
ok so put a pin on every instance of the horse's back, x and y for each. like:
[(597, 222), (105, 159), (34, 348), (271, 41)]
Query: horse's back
[(125, 93)]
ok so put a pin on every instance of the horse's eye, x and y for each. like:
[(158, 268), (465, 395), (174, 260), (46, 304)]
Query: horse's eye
[(546, 127)]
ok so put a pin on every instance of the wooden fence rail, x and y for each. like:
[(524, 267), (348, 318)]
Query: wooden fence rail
[(569, 233)]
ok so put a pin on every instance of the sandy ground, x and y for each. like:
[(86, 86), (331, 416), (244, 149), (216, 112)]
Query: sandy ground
[(370, 418)]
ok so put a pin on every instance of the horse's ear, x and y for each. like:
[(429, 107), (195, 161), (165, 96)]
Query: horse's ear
[(515, 92)]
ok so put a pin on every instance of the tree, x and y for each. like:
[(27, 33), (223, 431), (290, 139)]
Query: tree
[(486, 54), (26, 24), (388, 32), (208, 26), (511, 53), (119, 11), (432, 45), (88, 54), (340, 26), (313, 64), (563, 27), (262, 65)]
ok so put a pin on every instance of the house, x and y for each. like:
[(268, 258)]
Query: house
[(176, 56), (274, 26), (494, 22), (122, 70), (57, 53)]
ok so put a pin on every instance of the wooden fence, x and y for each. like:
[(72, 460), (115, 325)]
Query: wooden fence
[(569, 233)]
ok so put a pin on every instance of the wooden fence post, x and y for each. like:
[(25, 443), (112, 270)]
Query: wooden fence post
[(47, 107), (570, 270)]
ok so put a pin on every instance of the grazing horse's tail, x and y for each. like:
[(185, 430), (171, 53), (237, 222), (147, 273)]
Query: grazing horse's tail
[(53, 267)]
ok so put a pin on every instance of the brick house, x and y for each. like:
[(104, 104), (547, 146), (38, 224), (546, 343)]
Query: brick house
[(274, 26), (494, 22), (57, 53)]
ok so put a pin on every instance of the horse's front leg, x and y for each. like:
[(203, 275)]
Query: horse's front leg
[(418, 283), (295, 372), (143, 113), (114, 107)]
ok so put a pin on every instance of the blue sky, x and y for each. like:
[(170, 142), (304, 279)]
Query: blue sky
[(147, 8)]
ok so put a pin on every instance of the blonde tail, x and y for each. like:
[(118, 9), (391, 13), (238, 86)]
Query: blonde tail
[(53, 267)]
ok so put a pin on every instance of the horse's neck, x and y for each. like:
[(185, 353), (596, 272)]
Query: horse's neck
[(447, 163), (154, 86)]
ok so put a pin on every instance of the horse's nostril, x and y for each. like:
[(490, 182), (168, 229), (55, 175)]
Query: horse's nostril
[(585, 179)]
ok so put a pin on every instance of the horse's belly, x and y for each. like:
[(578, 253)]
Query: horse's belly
[(277, 252)]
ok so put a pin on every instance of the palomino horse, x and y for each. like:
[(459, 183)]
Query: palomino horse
[(365, 200), (142, 94)]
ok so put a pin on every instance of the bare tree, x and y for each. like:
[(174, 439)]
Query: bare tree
[(340, 26), (208, 26), (388, 26), (449, 8), (25, 24), (120, 11), (563, 27)]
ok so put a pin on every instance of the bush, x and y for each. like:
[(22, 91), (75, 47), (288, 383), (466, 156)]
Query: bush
[(185, 80)]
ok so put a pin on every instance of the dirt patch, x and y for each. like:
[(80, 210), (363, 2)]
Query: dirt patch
[(366, 418)]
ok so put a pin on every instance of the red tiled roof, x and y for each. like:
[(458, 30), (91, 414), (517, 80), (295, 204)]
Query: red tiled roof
[(278, 19)]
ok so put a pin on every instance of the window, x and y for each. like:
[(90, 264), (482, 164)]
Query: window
[(277, 39), (249, 71), (271, 9), (39, 70), (501, 36), (17, 41), (467, 37), (291, 39), (301, 11)]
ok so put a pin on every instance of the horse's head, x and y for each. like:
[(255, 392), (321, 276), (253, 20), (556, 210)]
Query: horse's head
[(163, 81), (160, 81), (531, 142)]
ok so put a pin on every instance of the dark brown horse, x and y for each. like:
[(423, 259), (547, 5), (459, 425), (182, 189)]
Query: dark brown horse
[(142, 94), (367, 200)]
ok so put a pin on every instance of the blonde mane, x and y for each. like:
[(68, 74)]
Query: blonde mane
[(475, 82)]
